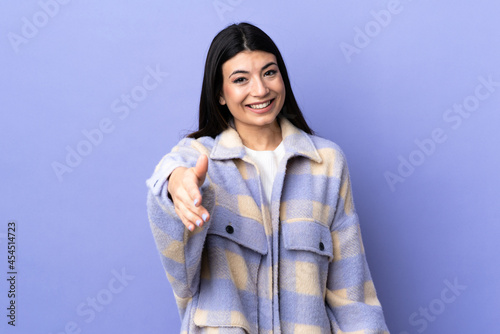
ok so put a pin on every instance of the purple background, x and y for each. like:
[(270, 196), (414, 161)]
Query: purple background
[(63, 74)]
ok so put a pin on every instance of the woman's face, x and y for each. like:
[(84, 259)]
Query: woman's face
[(252, 89)]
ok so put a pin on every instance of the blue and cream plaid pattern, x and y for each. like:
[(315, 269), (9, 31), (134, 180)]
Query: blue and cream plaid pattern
[(295, 266)]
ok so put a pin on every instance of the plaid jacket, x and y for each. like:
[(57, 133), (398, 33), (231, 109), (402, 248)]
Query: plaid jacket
[(294, 266)]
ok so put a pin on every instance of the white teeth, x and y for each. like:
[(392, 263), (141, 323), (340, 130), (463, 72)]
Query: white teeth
[(260, 106)]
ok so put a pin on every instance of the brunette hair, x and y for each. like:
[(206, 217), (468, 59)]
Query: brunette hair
[(214, 117)]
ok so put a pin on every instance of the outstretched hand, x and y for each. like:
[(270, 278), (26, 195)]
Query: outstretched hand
[(184, 188)]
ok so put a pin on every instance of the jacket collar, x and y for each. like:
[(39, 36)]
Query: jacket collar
[(228, 144)]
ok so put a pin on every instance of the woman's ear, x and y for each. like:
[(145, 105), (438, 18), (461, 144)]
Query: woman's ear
[(221, 100)]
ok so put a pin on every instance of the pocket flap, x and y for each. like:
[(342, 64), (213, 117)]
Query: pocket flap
[(309, 236), (242, 230)]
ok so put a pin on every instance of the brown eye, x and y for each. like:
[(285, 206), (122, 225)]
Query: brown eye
[(270, 72), (239, 80)]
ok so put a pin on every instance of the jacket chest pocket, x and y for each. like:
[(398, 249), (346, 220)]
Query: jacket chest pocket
[(229, 286), (308, 236)]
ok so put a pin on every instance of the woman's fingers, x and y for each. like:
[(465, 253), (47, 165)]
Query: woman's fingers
[(184, 189), (186, 209), (180, 210), (191, 186), (189, 218)]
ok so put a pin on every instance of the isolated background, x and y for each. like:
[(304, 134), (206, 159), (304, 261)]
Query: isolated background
[(76, 231)]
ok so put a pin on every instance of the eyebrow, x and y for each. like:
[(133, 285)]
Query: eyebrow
[(246, 72)]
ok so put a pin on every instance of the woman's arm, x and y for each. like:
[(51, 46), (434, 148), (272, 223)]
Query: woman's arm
[(182, 172), (351, 298), (180, 249)]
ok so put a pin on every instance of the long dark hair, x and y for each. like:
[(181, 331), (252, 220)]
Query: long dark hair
[(214, 117)]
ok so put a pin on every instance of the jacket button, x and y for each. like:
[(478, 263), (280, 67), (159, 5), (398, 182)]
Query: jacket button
[(229, 229), (321, 246)]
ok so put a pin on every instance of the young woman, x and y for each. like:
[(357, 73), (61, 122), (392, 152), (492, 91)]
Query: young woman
[(253, 214)]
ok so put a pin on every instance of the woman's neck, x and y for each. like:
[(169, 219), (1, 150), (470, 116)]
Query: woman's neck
[(260, 138)]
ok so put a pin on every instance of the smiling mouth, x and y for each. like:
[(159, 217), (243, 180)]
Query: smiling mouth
[(260, 105)]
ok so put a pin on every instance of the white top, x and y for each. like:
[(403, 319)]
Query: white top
[(267, 163)]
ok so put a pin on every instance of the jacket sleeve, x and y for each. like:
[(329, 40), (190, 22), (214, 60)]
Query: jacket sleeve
[(180, 250), (351, 299)]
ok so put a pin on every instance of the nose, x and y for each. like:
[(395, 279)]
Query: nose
[(259, 87)]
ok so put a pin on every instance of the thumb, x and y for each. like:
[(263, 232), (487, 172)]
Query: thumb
[(200, 170)]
